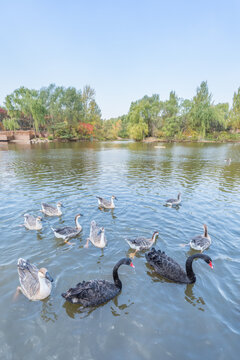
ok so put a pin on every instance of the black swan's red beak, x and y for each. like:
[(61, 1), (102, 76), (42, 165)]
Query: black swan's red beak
[(132, 265), (210, 264)]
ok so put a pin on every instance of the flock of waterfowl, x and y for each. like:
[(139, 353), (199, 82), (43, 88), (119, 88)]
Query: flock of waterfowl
[(37, 284)]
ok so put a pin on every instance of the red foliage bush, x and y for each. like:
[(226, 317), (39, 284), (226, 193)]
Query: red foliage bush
[(85, 129), (3, 115)]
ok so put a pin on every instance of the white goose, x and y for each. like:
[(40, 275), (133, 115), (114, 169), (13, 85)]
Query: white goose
[(52, 210), (32, 223), (35, 284), (106, 203), (174, 202), (141, 243), (97, 236), (68, 232), (201, 242)]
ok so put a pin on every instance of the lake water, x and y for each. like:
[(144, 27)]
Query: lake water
[(151, 318)]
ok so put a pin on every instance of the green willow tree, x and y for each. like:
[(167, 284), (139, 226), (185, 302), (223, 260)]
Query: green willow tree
[(234, 116), (143, 116), (26, 102), (11, 124), (201, 111), (170, 116), (204, 116)]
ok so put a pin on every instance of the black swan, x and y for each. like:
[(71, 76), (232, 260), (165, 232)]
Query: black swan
[(96, 292), (170, 269)]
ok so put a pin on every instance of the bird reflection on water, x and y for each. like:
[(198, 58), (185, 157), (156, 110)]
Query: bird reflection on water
[(192, 299), (77, 310), (47, 312), (155, 276), (122, 308), (72, 310), (189, 294), (111, 211)]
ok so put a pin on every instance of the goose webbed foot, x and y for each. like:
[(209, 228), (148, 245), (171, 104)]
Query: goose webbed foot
[(86, 245), (17, 292), (132, 255), (68, 242)]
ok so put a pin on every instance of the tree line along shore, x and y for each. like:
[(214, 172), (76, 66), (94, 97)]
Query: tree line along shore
[(71, 114)]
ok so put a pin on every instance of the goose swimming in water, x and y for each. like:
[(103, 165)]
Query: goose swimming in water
[(171, 270), (52, 210), (228, 161), (32, 223), (35, 284), (141, 243), (68, 232), (174, 202), (96, 292), (105, 203), (97, 236), (201, 242)]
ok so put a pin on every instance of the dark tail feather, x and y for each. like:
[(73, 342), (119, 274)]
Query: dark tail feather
[(147, 256), (64, 295), (22, 263), (150, 254)]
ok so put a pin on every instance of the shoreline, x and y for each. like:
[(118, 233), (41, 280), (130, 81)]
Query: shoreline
[(28, 137), (157, 140)]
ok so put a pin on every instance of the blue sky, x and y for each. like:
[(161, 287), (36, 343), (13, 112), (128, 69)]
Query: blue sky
[(123, 49)]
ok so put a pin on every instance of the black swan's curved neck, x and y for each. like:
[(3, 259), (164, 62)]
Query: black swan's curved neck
[(116, 279), (189, 270)]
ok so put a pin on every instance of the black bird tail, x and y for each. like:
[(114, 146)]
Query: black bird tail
[(64, 295)]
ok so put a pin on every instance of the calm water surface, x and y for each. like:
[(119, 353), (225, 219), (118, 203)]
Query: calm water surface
[(151, 318)]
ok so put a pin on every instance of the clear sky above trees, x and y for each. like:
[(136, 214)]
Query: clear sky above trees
[(123, 49)]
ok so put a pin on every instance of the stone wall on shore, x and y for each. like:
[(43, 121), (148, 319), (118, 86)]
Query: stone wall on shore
[(17, 136)]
